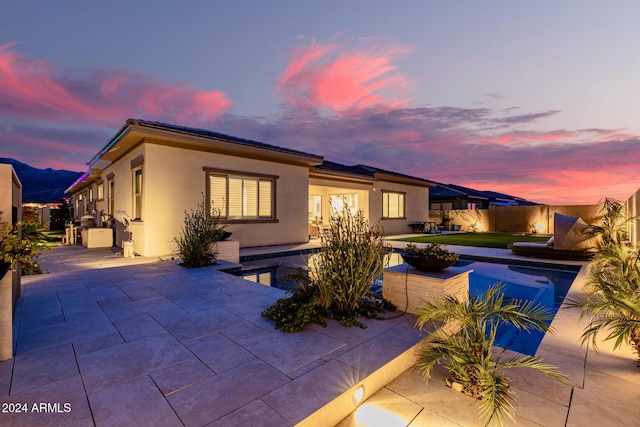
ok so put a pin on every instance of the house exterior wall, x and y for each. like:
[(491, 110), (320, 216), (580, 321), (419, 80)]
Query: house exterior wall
[(416, 206), (174, 181)]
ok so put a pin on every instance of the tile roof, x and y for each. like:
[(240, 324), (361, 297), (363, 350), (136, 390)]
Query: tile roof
[(211, 134), (397, 174), (340, 168), (365, 171)]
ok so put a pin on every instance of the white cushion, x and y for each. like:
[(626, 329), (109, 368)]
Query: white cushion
[(567, 232)]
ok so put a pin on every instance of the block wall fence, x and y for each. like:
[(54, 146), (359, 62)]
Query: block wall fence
[(523, 219)]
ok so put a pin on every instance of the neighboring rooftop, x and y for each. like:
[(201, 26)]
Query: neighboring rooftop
[(490, 198)]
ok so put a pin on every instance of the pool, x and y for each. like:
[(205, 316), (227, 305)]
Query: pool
[(543, 283)]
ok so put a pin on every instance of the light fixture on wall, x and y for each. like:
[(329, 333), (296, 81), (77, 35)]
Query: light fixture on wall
[(358, 395)]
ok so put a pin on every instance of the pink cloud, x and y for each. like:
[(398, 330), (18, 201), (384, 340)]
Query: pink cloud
[(34, 89), (335, 77), (528, 137), (567, 187), (454, 145)]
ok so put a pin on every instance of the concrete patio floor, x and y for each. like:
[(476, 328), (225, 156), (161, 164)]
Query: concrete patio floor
[(103, 340), (146, 342)]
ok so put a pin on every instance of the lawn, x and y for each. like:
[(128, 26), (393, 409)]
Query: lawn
[(53, 238), (486, 240)]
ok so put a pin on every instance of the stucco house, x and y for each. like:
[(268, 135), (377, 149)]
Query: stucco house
[(150, 173)]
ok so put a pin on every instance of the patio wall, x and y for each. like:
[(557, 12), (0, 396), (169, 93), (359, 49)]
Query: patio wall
[(515, 219)]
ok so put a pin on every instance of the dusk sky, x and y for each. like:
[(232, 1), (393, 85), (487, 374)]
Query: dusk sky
[(539, 100)]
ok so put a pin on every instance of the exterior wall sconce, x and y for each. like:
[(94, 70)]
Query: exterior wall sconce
[(358, 395)]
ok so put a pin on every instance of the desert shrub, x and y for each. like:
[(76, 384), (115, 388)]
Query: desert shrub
[(351, 258), (199, 232)]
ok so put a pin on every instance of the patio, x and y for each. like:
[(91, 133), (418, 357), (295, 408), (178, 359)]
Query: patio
[(146, 342)]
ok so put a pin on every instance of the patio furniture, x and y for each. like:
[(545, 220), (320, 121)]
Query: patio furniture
[(541, 250), (567, 243), (417, 227)]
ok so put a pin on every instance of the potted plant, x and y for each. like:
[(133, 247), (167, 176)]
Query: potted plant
[(466, 346), (433, 257)]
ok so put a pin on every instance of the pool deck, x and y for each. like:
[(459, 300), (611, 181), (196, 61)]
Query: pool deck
[(146, 342)]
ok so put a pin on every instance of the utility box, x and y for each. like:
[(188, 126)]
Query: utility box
[(127, 249)]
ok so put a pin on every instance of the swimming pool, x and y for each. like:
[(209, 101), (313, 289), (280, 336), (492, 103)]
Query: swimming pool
[(545, 284)]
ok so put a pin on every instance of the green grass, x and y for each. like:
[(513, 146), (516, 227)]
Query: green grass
[(53, 238), (486, 240)]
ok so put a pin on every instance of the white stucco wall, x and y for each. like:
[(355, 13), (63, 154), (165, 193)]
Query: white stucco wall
[(174, 181), (416, 206)]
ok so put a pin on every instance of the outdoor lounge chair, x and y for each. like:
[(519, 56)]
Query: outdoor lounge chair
[(567, 243)]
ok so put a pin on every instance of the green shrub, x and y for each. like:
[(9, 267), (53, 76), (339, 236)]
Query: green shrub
[(611, 295), (351, 258), (24, 251), (198, 234)]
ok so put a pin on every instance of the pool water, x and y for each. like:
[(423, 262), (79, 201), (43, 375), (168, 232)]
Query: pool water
[(544, 284)]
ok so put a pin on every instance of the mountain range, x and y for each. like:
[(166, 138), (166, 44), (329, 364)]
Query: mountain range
[(41, 185)]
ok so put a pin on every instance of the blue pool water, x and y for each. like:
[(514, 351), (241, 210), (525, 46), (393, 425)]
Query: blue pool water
[(545, 284)]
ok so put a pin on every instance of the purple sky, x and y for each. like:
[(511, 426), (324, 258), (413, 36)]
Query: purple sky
[(535, 99)]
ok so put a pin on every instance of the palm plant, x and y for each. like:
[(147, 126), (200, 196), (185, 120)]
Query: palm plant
[(466, 346), (612, 291)]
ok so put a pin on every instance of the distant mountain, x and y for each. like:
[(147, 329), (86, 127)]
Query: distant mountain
[(42, 185)]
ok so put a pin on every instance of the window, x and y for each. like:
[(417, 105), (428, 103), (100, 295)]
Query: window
[(392, 204), (471, 206), (137, 193), (90, 198), (79, 206), (342, 202), (242, 197), (315, 208), (112, 189), (101, 191), (436, 206)]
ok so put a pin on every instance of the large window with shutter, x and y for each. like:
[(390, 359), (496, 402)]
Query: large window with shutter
[(243, 197), (392, 205)]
